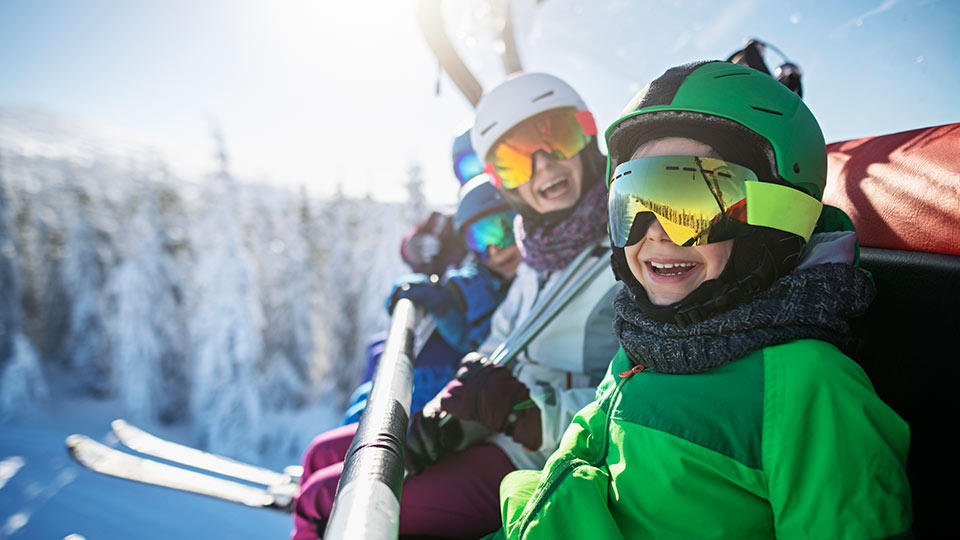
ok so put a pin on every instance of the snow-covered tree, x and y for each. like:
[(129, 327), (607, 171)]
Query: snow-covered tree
[(22, 384), (362, 248), (226, 325), (288, 284), (243, 308), (9, 280), (84, 275), (39, 246), (147, 330), (416, 201)]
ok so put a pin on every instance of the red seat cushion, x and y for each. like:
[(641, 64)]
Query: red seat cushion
[(902, 190)]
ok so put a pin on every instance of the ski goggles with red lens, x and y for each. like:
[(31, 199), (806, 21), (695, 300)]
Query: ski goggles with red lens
[(466, 165), (561, 133), (700, 200), (491, 230)]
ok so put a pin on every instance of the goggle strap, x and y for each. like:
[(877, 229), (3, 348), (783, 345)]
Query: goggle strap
[(587, 123), (782, 208)]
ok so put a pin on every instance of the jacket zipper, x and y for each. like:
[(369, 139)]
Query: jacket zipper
[(624, 376), (631, 372), (542, 494)]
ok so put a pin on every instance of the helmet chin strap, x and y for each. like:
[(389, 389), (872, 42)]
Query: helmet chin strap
[(756, 262)]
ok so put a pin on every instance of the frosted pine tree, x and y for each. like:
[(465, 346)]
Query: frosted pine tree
[(147, 332), (22, 384), (289, 287), (335, 308), (416, 200), (225, 325), (278, 238), (40, 239), (84, 274), (9, 280), (345, 279), (362, 244), (305, 338)]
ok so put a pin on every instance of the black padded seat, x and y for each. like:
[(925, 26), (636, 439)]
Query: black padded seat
[(910, 349)]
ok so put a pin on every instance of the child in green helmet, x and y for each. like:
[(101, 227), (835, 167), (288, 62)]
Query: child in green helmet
[(732, 409)]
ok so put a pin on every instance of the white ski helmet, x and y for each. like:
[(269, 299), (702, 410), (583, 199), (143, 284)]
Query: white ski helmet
[(515, 100)]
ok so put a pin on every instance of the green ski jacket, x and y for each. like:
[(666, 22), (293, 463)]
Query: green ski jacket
[(790, 441)]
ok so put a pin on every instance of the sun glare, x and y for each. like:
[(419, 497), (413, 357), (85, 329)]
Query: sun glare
[(320, 69), (333, 35)]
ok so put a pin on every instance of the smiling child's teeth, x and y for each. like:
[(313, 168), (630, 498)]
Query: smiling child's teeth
[(671, 265)]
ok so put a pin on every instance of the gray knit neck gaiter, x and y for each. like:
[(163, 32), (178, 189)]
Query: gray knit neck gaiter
[(815, 303)]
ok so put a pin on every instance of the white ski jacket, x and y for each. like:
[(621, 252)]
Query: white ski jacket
[(563, 365)]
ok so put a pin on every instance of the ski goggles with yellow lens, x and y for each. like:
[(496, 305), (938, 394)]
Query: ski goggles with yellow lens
[(490, 230), (700, 200), (561, 133)]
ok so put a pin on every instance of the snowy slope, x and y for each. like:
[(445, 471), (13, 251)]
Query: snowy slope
[(44, 494)]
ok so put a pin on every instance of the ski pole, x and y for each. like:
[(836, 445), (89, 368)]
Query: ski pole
[(508, 350), (367, 504), (548, 297)]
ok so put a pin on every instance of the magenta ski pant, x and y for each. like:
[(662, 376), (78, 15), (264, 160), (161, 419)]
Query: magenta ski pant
[(458, 497)]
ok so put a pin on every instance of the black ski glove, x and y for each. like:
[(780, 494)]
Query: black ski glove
[(432, 434), (428, 440)]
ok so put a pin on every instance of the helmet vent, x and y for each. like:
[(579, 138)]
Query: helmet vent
[(731, 75), (488, 128), (769, 111), (541, 96)]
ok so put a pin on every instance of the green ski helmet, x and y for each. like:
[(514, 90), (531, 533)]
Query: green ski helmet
[(751, 120), (743, 105)]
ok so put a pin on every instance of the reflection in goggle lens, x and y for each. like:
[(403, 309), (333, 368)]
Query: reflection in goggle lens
[(561, 133), (492, 230), (696, 200)]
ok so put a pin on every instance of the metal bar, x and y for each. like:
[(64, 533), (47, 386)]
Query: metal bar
[(367, 504), (430, 17), (510, 55)]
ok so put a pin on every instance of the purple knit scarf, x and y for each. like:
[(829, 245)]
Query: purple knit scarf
[(552, 248)]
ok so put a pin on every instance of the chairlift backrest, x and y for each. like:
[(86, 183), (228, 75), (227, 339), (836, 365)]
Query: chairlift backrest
[(903, 193)]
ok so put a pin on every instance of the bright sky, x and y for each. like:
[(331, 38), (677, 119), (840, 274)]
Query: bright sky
[(321, 92)]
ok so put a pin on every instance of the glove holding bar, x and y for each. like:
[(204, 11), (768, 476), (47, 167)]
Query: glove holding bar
[(484, 398)]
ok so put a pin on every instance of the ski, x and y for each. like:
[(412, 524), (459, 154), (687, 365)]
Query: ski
[(145, 443), (110, 461)]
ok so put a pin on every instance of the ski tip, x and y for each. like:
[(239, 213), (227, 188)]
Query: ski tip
[(75, 440)]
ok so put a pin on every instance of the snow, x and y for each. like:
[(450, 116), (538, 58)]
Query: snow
[(44, 494), (223, 314)]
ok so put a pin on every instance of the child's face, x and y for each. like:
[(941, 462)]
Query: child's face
[(503, 261), (555, 184), (669, 272)]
